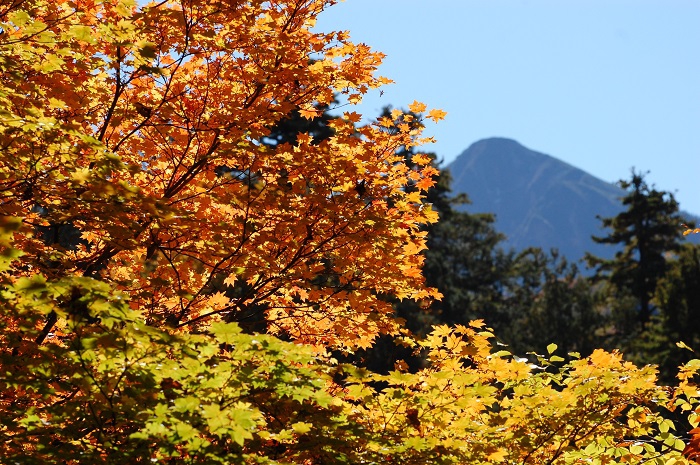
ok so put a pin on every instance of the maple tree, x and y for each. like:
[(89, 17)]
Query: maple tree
[(147, 230), (117, 118)]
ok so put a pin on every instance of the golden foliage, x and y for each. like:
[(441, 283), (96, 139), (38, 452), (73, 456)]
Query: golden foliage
[(140, 127), (140, 209)]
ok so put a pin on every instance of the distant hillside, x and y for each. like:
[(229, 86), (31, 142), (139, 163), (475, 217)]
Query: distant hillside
[(538, 200)]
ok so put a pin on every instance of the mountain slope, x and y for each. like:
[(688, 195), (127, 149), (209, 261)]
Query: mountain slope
[(538, 200)]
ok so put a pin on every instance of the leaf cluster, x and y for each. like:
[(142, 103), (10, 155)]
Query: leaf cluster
[(175, 270)]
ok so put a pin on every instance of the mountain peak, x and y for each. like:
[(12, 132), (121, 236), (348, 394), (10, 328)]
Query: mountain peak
[(502, 143), (538, 200)]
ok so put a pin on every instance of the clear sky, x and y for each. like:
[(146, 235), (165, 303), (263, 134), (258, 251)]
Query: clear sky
[(605, 85)]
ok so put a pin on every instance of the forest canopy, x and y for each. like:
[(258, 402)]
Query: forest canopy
[(179, 285)]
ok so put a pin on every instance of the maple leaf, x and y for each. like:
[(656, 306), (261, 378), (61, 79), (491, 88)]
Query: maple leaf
[(692, 449), (231, 279), (417, 107), (218, 301), (425, 184), (421, 159), (436, 115), (497, 455), (352, 116), (81, 175), (308, 113)]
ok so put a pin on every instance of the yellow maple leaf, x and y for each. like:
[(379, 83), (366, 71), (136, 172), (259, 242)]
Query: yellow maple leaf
[(417, 107), (436, 115), (218, 300), (497, 456), (421, 159), (308, 114), (81, 175), (231, 279)]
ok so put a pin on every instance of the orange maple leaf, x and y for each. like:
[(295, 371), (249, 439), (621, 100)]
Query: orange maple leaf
[(417, 107), (308, 114), (425, 183), (436, 115), (692, 449)]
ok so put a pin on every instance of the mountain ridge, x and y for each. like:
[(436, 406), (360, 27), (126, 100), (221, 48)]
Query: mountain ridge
[(538, 200)]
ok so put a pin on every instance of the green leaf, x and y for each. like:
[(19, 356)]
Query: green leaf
[(551, 348), (82, 33), (9, 224), (227, 333), (51, 63), (32, 285), (147, 49), (636, 449), (591, 449), (666, 425), (7, 256), (187, 404), (301, 427), (30, 420), (185, 431), (501, 353), (19, 17)]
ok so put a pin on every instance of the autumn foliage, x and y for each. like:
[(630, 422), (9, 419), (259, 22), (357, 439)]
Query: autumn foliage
[(145, 127), (172, 287), (688, 230)]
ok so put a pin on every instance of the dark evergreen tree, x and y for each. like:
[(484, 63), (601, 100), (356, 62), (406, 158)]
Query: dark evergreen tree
[(288, 128), (464, 260), (530, 300), (678, 300), (647, 230), (550, 302)]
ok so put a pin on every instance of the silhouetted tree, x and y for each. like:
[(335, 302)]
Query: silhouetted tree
[(647, 230), (549, 301), (678, 300)]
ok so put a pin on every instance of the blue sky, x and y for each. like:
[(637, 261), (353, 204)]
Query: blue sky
[(605, 85)]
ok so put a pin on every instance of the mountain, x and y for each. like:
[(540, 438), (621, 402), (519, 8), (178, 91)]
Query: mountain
[(538, 200)]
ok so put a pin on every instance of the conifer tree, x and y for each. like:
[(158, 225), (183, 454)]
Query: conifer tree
[(546, 300), (678, 298), (646, 230)]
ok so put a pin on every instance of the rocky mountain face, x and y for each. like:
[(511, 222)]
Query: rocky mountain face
[(538, 200)]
